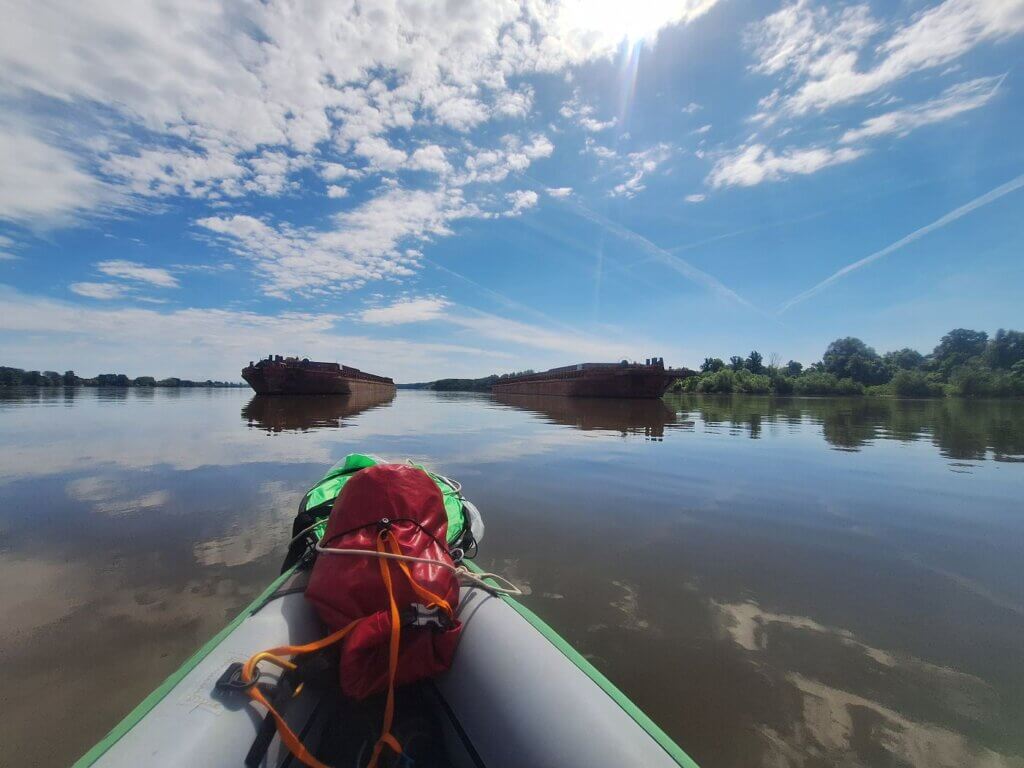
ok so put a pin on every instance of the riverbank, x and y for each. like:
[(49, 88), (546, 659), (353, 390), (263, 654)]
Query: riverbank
[(16, 377), (965, 363)]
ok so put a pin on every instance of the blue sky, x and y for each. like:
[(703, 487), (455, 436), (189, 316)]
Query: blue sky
[(438, 189)]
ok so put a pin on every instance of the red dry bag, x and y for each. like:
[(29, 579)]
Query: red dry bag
[(408, 630)]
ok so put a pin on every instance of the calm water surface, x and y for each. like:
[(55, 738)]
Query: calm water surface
[(799, 582)]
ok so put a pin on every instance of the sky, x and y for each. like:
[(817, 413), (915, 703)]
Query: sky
[(435, 189)]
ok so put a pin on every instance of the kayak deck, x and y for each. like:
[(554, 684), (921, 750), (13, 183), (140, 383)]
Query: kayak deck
[(517, 694)]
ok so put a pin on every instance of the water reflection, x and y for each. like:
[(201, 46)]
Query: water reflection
[(961, 429), (843, 589), (649, 418), (288, 413)]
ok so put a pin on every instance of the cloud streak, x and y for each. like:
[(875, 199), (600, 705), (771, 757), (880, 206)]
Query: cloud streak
[(963, 210), (659, 254)]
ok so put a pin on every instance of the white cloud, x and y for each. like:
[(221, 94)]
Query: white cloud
[(702, 130), (591, 147), (102, 291), (6, 245), (41, 183), (130, 270), (695, 198), (362, 245), (582, 114), (829, 57), (755, 163), (429, 158), (223, 101), (691, 108), (337, 171), (381, 155), (204, 343), (507, 331), (406, 310), (641, 164), (955, 100), (515, 103), (493, 165), (594, 126), (559, 191), (334, 191), (215, 343), (521, 200)]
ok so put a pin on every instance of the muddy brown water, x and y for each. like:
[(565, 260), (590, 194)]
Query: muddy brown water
[(777, 582)]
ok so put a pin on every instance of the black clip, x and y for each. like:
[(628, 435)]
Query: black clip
[(231, 681), (384, 524)]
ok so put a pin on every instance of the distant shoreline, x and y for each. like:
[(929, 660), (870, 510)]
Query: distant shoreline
[(17, 377)]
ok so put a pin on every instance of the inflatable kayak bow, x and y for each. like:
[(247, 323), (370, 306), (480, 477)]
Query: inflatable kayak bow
[(516, 693)]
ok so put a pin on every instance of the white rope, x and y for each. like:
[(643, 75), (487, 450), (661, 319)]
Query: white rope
[(461, 571)]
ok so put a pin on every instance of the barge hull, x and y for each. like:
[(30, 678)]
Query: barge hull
[(291, 377), (627, 382)]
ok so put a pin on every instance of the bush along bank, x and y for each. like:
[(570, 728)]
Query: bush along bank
[(965, 363)]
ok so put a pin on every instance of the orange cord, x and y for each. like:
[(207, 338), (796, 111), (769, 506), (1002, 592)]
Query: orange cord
[(273, 656), (396, 635)]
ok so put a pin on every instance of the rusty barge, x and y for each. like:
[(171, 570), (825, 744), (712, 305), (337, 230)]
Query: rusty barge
[(629, 380), (277, 375)]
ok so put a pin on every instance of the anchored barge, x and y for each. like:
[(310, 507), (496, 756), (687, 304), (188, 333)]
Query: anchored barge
[(277, 375), (625, 379)]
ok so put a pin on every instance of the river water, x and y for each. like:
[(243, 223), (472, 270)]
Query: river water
[(777, 582)]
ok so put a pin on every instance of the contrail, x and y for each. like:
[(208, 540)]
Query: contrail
[(952, 216), (502, 299), (672, 261)]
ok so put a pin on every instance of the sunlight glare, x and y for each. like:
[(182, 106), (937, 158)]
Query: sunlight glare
[(612, 21)]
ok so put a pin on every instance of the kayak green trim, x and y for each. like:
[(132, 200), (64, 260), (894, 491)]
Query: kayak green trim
[(639, 716), (147, 704)]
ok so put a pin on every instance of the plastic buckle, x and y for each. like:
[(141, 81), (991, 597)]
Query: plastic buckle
[(231, 681), (418, 615)]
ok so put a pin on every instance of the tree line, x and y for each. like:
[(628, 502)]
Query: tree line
[(14, 377), (965, 363)]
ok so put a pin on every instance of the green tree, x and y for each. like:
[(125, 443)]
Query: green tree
[(957, 348), (712, 364), (908, 383), (112, 380), (905, 359), (70, 379), (754, 362), (1006, 349), (851, 358), (736, 363), (793, 368)]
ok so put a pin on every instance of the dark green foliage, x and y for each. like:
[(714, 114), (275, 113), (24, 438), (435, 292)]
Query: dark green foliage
[(736, 363), (908, 383), (957, 348), (754, 362), (16, 377), (793, 368), (727, 381), (781, 384), (112, 380), (712, 364), (1005, 350), (979, 381), (851, 358), (822, 383), (905, 359)]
